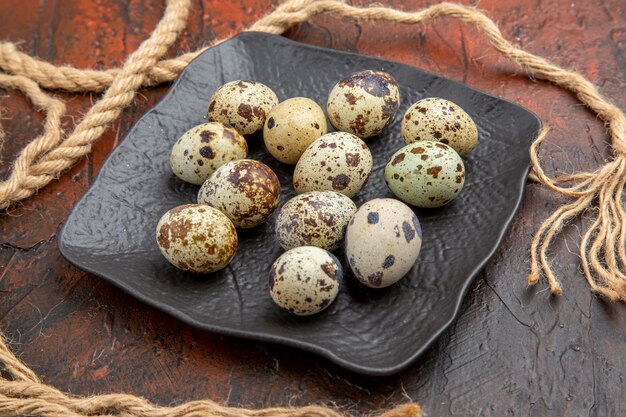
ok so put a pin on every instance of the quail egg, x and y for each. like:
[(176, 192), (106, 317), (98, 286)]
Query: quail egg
[(317, 218), (242, 104), (383, 241), (305, 280), (425, 174), (196, 238), (363, 103), (291, 126), (440, 120), (337, 161), (246, 191), (204, 148)]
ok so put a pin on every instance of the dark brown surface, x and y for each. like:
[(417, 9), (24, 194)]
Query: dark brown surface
[(513, 351)]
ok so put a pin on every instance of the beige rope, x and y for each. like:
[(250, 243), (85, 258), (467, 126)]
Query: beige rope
[(23, 394)]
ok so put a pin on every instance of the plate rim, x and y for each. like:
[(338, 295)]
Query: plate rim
[(66, 251)]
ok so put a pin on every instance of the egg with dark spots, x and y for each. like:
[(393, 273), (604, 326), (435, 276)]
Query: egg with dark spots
[(429, 174), (363, 103), (316, 218), (203, 149), (242, 104), (383, 241), (338, 161), (246, 191), (440, 120), (196, 238), (291, 127), (305, 280)]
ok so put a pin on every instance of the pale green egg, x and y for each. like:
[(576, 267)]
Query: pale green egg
[(425, 174)]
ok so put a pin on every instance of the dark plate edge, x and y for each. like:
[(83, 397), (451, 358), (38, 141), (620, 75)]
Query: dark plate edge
[(263, 337)]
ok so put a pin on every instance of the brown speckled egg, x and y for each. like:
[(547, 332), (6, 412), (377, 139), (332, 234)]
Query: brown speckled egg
[(203, 149), (246, 191), (440, 120), (317, 218), (196, 238), (337, 161), (425, 174), (383, 241), (363, 103), (242, 104), (305, 280), (291, 127)]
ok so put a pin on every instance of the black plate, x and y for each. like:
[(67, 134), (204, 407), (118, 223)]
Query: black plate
[(110, 231)]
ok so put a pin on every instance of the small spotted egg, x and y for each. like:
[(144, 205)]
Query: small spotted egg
[(440, 120), (196, 238), (305, 280), (425, 174), (242, 104), (338, 161), (363, 103), (383, 241), (291, 127), (246, 191), (203, 149), (317, 218)]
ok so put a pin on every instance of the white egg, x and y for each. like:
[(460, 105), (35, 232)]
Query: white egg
[(337, 161), (305, 280), (242, 104), (203, 149), (383, 241), (196, 238), (317, 218)]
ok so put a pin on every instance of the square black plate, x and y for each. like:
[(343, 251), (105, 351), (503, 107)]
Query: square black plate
[(110, 231)]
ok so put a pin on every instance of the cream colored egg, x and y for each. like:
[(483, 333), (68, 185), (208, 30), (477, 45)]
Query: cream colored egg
[(196, 238), (242, 104), (425, 174), (383, 241), (440, 120), (317, 218), (363, 103), (246, 191), (203, 149), (305, 280), (291, 127), (337, 161)]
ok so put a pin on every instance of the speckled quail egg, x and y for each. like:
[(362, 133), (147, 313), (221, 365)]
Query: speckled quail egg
[(317, 218), (246, 191), (242, 104), (196, 238), (425, 174), (383, 241), (305, 280), (363, 103), (203, 149), (440, 120), (338, 161), (291, 127)]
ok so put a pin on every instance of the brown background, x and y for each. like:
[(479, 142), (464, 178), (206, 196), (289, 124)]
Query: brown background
[(512, 351)]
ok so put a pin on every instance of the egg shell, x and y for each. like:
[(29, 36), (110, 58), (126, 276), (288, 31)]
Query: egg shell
[(243, 104), (305, 280), (196, 238), (338, 161), (425, 174), (440, 120), (291, 127), (363, 103), (204, 148), (317, 218), (246, 191), (383, 241)]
